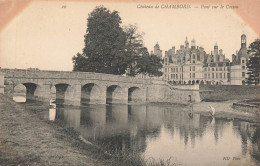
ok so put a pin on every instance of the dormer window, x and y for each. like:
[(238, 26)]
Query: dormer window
[(243, 61)]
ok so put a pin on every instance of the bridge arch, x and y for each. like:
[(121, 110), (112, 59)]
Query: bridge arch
[(114, 94), (61, 91), (91, 94), (28, 90), (134, 94), (19, 93)]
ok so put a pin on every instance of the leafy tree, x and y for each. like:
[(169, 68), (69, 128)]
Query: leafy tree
[(112, 49), (149, 65), (253, 65), (134, 45), (105, 40)]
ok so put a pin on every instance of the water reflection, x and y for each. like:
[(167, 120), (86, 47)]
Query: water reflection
[(163, 132)]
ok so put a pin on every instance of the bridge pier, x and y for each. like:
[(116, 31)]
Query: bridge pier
[(116, 94), (43, 92), (9, 89), (73, 95)]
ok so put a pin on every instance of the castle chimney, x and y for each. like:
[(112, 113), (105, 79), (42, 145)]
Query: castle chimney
[(233, 57)]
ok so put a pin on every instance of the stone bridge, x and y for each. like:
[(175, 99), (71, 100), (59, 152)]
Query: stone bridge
[(75, 88)]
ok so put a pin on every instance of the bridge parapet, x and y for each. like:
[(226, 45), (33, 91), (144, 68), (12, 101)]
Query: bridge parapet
[(47, 74)]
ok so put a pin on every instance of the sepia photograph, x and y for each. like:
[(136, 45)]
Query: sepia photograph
[(130, 83)]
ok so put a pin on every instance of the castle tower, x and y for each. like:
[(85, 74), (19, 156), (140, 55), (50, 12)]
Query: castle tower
[(243, 41), (186, 43), (221, 56), (243, 50), (215, 54), (193, 44), (157, 50)]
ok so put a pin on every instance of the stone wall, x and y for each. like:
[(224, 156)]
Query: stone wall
[(71, 75), (1, 83), (163, 92), (228, 92)]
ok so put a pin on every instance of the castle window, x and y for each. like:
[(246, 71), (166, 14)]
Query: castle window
[(216, 69), (220, 75), (243, 61), (193, 68), (216, 75), (243, 67), (212, 69), (224, 75), (212, 75), (177, 76), (243, 74), (208, 69), (224, 68), (220, 69), (193, 75), (205, 69), (173, 69), (193, 61), (205, 75), (228, 68), (228, 75), (190, 75), (165, 69)]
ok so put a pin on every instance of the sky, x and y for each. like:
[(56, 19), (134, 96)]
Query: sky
[(46, 36)]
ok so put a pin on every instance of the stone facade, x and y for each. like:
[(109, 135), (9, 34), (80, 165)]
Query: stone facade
[(192, 65)]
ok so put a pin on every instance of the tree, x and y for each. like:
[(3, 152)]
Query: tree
[(253, 65), (134, 45), (105, 40), (149, 65), (112, 49)]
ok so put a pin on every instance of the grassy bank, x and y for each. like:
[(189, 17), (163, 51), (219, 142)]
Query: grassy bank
[(26, 139)]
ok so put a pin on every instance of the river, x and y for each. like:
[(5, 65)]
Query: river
[(159, 132)]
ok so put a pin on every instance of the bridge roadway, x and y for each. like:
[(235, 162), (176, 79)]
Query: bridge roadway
[(74, 88)]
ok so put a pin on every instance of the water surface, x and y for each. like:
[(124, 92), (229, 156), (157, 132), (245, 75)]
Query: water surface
[(163, 132)]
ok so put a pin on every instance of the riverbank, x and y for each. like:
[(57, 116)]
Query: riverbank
[(26, 139)]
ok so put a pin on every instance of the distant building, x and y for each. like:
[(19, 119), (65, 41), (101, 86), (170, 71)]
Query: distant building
[(238, 68), (192, 65), (157, 51)]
